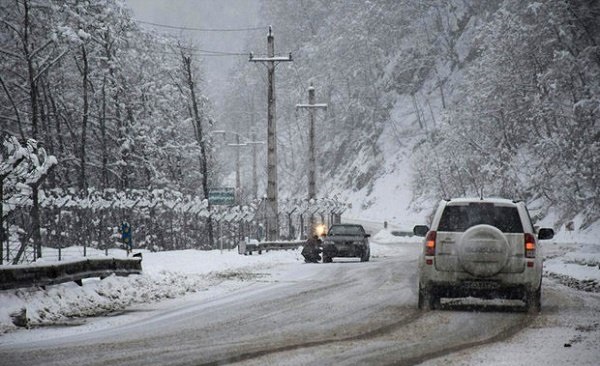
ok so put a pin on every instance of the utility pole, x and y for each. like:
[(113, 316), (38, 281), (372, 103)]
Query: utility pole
[(311, 106), (253, 143), (238, 181), (254, 176), (272, 203), (238, 144)]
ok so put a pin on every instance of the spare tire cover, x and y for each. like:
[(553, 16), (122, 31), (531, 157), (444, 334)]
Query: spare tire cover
[(483, 250)]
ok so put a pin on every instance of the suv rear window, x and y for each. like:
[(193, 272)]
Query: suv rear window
[(460, 218)]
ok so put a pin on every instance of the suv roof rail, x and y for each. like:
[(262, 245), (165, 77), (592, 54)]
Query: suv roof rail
[(517, 200)]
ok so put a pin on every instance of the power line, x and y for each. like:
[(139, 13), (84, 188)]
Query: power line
[(217, 53), (202, 53), (193, 49), (200, 29)]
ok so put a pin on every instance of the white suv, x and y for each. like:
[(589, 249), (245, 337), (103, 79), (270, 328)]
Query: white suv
[(484, 248)]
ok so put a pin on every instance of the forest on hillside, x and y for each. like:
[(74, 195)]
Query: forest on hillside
[(497, 98)]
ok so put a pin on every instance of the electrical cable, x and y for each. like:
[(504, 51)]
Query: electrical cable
[(192, 49), (202, 53), (200, 29)]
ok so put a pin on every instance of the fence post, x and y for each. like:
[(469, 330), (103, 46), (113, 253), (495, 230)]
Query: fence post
[(221, 237), (241, 232), (2, 237), (7, 241)]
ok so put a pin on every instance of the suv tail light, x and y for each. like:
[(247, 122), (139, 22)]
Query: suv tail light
[(430, 243), (529, 245)]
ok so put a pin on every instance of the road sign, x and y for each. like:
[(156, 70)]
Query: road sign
[(222, 196)]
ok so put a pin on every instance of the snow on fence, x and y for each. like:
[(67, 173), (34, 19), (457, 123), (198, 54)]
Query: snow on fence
[(160, 219)]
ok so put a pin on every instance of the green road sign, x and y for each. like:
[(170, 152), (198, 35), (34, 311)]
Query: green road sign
[(221, 196)]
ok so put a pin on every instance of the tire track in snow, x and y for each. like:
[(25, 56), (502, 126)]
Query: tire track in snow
[(503, 335), (390, 328)]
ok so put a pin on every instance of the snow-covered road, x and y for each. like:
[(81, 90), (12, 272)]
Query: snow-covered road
[(346, 312)]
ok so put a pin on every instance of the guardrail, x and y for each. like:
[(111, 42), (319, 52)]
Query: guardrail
[(249, 248), (54, 273)]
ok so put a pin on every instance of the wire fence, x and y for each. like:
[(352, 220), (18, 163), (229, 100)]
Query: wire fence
[(75, 223)]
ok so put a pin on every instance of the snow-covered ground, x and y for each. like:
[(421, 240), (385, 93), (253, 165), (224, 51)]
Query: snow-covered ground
[(572, 266), (166, 275)]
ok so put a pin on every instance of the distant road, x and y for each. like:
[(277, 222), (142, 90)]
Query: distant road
[(371, 227)]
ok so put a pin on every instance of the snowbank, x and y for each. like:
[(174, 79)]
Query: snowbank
[(166, 275)]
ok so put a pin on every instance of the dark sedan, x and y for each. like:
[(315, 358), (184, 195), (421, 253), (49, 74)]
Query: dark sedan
[(346, 240)]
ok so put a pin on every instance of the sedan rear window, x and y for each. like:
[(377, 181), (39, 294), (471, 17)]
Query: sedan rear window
[(460, 218), (346, 230)]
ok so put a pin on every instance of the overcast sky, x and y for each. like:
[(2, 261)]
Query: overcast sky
[(205, 14)]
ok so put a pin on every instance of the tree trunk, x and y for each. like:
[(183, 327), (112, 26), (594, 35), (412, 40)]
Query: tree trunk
[(104, 167), (36, 222), (84, 122), (187, 61), (14, 106), (59, 137), (1, 221), (46, 119), (30, 72)]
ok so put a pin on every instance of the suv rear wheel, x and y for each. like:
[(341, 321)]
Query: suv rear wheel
[(533, 301), (428, 300)]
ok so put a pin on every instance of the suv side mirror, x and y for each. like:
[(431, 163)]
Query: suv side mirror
[(545, 234), (420, 230), (367, 235)]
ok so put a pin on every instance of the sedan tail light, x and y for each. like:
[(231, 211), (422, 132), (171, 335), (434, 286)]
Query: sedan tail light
[(430, 243), (529, 245)]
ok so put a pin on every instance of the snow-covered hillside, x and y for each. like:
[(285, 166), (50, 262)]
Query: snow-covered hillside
[(445, 100)]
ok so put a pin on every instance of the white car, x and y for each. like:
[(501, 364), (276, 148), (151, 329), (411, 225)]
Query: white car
[(483, 248)]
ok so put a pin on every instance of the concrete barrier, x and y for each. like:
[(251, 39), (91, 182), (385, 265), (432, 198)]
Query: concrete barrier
[(54, 273)]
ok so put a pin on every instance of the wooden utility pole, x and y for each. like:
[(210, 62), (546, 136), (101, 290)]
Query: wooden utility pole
[(238, 179), (253, 142), (272, 203), (311, 106), (238, 144), (254, 176)]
